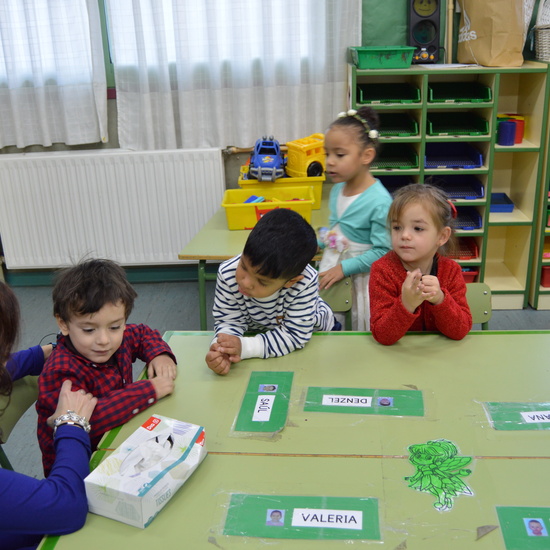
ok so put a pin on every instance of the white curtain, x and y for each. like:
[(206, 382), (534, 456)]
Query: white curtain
[(52, 73), (212, 73)]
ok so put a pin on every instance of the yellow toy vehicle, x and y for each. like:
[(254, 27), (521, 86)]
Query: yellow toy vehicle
[(306, 157)]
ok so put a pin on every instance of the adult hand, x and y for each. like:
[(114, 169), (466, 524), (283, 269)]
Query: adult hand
[(80, 401)]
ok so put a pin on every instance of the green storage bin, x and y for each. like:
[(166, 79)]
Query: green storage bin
[(458, 92), (456, 124), (399, 92), (382, 57), (397, 124), (396, 156)]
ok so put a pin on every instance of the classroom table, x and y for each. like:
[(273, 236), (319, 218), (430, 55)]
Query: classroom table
[(215, 243), (352, 455)]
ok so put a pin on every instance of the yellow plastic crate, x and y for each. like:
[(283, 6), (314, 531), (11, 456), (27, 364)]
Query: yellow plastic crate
[(241, 215), (283, 183)]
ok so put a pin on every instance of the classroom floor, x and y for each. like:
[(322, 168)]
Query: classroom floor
[(164, 306)]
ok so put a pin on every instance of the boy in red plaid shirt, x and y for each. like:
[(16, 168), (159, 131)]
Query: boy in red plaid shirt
[(96, 349)]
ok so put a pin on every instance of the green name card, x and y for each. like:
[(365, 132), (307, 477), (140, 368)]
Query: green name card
[(519, 416), (524, 527), (302, 517), (265, 403), (365, 401)]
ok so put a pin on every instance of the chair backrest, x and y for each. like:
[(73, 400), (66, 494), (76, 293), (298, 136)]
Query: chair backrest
[(23, 395), (479, 300), (338, 296)]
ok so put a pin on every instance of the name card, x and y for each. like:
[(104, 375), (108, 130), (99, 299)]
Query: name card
[(264, 406), (536, 417), (347, 400), (331, 519)]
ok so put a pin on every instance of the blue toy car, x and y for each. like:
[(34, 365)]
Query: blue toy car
[(267, 162)]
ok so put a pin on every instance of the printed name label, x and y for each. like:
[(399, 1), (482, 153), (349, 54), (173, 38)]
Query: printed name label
[(263, 408), (536, 416), (332, 519), (347, 400)]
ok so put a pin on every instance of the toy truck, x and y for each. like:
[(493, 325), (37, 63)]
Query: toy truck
[(267, 162), (306, 157)]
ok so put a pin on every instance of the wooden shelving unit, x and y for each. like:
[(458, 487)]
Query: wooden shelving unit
[(506, 242)]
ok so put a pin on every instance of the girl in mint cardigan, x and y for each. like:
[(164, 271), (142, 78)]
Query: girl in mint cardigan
[(357, 234)]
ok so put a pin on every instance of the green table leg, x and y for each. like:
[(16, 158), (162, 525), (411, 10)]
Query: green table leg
[(202, 293)]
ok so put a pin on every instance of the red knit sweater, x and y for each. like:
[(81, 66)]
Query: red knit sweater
[(389, 320)]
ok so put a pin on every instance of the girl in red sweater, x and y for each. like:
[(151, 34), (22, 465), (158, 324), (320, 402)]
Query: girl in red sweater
[(414, 287)]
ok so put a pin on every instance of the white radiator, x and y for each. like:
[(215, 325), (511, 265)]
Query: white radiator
[(137, 208)]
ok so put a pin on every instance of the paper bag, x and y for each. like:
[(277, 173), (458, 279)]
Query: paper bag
[(491, 33)]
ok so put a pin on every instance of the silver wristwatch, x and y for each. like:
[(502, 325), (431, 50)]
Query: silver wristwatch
[(70, 417)]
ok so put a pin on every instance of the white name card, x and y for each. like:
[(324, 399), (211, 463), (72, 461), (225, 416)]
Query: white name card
[(263, 408), (332, 519), (347, 400), (536, 416)]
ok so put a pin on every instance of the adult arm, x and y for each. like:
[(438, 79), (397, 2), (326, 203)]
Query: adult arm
[(56, 505), (26, 362)]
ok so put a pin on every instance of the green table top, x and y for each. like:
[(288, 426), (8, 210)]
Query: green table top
[(455, 377), (216, 242), (353, 455), (195, 516)]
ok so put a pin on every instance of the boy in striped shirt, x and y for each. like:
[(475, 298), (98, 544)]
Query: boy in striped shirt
[(270, 287)]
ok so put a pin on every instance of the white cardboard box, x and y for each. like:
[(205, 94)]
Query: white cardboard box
[(134, 483)]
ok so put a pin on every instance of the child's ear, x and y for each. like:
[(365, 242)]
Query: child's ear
[(290, 282), (369, 153), (62, 325), (444, 236)]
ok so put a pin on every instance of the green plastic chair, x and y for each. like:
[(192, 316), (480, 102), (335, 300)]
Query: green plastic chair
[(24, 394), (338, 297), (479, 300)]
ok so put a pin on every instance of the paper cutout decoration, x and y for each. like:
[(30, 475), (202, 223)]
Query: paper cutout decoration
[(439, 471), (525, 527), (302, 517), (365, 401), (518, 416), (265, 404)]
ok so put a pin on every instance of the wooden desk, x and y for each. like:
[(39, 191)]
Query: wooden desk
[(216, 243), (333, 454)]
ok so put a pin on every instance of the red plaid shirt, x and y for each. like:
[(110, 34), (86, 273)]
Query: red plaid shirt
[(119, 399)]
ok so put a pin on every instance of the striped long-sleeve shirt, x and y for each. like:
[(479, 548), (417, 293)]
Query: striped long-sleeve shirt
[(287, 317)]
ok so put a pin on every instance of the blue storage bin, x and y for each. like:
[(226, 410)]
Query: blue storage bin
[(452, 155), (459, 186), (393, 183), (468, 218), (501, 202)]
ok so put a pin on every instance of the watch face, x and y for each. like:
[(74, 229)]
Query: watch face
[(425, 8)]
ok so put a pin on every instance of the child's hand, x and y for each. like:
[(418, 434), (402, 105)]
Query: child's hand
[(411, 290), (432, 291), (164, 385), (217, 361), (331, 276), (162, 365), (231, 346)]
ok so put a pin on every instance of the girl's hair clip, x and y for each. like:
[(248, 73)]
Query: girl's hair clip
[(372, 133), (454, 212)]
